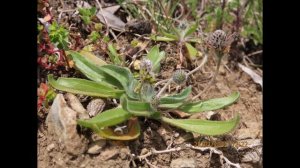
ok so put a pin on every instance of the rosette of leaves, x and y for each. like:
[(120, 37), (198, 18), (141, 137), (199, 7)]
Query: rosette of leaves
[(111, 81)]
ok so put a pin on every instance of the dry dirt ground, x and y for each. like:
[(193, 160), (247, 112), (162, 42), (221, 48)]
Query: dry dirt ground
[(157, 136), (120, 154)]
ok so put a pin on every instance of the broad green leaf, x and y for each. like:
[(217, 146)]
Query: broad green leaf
[(138, 108), (114, 56), (212, 104), (85, 87), (92, 71), (194, 40), (133, 127), (191, 30), (105, 119), (205, 127), (170, 35), (123, 76), (91, 56), (161, 38), (155, 57), (177, 99), (192, 51)]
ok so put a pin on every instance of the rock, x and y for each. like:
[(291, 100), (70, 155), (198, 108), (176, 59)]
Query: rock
[(61, 122), (245, 133), (253, 156), (95, 106), (50, 147), (109, 153), (75, 104), (124, 152), (211, 115), (183, 163), (144, 151), (95, 147), (184, 138)]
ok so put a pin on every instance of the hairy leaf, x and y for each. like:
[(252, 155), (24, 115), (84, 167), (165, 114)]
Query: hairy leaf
[(85, 87), (192, 51), (114, 56), (105, 119), (161, 38), (169, 101), (138, 108), (155, 57), (92, 71), (212, 104), (123, 76), (205, 127)]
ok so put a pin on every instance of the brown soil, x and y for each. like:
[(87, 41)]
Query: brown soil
[(249, 107), (119, 154)]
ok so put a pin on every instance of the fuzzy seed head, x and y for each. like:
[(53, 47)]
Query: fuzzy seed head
[(146, 64), (217, 40), (179, 77)]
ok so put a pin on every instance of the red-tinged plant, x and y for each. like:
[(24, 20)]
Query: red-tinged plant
[(45, 95)]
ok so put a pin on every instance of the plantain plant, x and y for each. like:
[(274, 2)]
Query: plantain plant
[(139, 99)]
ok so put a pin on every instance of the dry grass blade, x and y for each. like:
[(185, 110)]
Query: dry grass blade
[(256, 78)]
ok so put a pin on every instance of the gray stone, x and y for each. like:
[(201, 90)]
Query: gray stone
[(95, 147), (183, 163), (95, 106), (61, 122)]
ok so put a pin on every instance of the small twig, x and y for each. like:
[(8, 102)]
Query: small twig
[(211, 149), (164, 88), (214, 150), (62, 3), (113, 34), (106, 23), (160, 82), (254, 53), (211, 82), (151, 165), (199, 67)]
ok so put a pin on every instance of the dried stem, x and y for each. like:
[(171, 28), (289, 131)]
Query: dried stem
[(106, 23), (212, 80), (211, 149), (164, 88)]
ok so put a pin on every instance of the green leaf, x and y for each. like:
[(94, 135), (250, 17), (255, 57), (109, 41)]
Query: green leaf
[(123, 76), (92, 71), (85, 87), (192, 51), (191, 30), (155, 57), (169, 101), (205, 127), (168, 35), (91, 56), (93, 11), (105, 119), (161, 38), (138, 108), (133, 127), (114, 56), (194, 40), (212, 104)]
